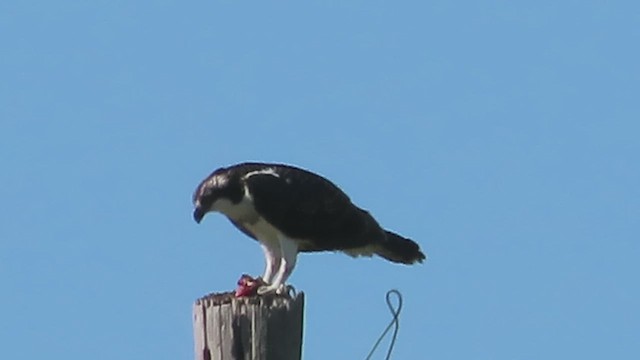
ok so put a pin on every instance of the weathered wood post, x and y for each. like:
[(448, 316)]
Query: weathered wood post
[(248, 328)]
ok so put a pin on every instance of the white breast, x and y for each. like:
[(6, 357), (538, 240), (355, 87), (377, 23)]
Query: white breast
[(245, 214), (265, 232)]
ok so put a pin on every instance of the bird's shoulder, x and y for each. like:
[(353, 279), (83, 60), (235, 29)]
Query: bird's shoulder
[(288, 183)]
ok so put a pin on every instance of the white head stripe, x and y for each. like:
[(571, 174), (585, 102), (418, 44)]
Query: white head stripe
[(218, 180)]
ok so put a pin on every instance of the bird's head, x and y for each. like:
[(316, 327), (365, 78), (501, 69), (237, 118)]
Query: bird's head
[(215, 193)]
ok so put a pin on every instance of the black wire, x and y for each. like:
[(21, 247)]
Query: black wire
[(394, 322)]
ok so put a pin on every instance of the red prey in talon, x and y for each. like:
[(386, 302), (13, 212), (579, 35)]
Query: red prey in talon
[(248, 286)]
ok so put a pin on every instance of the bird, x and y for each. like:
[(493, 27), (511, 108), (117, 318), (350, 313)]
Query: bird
[(290, 210)]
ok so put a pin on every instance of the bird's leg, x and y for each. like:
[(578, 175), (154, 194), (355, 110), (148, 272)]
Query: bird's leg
[(272, 256), (247, 285), (289, 254)]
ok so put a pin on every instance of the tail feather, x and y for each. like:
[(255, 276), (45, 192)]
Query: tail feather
[(399, 249)]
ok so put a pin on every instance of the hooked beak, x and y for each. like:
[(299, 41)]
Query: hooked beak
[(198, 214)]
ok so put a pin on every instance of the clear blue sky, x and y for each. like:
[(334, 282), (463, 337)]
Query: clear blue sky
[(504, 137)]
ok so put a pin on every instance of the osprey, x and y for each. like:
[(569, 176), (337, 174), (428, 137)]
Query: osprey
[(289, 210)]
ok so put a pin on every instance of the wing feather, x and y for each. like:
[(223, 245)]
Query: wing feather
[(307, 206)]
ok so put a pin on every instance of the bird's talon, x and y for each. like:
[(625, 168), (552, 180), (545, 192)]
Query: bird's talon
[(266, 289), (291, 291), (286, 290)]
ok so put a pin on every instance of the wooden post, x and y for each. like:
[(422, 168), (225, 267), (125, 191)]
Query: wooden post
[(248, 328)]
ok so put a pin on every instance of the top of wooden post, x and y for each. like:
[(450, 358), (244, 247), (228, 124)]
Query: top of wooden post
[(266, 327), (217, 299)]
